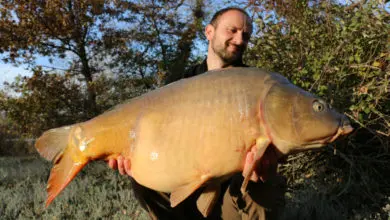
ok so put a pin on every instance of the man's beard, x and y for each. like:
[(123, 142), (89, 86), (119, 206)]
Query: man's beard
[(226, 56)]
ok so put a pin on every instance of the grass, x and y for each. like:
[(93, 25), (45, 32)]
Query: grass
[(96, 193), (101, 193)]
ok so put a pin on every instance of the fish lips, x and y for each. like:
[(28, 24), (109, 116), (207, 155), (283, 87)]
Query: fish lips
[(344, 128)]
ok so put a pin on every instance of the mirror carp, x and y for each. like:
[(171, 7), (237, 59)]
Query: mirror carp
[(196, 132)]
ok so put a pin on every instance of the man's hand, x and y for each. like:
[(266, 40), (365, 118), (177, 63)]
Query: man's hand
[(122, 164)]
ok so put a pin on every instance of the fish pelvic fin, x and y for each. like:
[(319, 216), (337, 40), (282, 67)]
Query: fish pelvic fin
[(181, 193), (53, 142), (208, 198), (63, 172)]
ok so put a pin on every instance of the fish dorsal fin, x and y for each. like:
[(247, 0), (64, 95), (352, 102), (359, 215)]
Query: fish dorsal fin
[(208, 198), (181, 193)]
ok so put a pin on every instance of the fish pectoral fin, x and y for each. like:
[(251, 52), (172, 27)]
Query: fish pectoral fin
[(208, 198), (252, 158), (64, 170), (181, 193)]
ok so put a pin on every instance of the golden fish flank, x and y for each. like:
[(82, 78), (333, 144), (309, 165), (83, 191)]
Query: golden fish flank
[(132, 134), (196, 132), (153, 156)]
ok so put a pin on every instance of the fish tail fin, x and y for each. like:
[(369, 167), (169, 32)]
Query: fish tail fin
[(53, 142), (62, 174), (54, 145)]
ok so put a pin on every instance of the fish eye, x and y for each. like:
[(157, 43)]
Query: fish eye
[(318, 106)]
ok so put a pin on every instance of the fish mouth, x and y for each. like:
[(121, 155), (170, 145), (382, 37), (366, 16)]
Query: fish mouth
[(344, 128)]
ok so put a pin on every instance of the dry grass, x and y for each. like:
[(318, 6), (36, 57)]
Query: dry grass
[(100, 194)]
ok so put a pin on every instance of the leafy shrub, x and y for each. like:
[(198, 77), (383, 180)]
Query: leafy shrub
[(341, 53)]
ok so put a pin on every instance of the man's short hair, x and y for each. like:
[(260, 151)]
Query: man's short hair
[(218, 14)]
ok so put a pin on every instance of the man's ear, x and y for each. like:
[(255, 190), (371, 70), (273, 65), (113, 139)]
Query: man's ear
[(209, 31)]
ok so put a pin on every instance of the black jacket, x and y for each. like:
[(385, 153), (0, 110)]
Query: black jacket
[(195, 70)]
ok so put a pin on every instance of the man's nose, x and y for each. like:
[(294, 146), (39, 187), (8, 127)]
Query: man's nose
[(238, 39)]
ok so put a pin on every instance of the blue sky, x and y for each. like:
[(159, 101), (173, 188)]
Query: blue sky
[(9, 71)]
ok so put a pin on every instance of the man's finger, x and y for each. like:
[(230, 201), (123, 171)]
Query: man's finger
[(121, 169), (112, 164), (127, 167)]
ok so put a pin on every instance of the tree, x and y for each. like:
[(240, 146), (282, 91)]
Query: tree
[(155, 37), (53, 28), (117, 48), (43, 101)]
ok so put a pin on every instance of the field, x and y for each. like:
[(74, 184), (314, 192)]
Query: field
[(101, 193)]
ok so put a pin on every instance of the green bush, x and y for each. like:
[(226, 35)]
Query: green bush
[(341, 53)]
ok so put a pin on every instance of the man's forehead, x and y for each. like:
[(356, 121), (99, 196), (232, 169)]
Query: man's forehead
[(236, 19)]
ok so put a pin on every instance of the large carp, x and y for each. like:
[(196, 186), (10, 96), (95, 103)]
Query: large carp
[(196, 132)]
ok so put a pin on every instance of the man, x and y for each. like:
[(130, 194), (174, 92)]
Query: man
[(228, 34)]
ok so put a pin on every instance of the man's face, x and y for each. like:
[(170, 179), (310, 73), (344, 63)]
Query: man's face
[(229, 38)]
